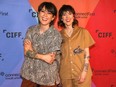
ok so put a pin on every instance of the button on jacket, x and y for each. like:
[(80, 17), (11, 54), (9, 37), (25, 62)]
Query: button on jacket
[(72, 60)]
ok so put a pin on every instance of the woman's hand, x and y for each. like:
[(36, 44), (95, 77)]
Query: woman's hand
[(49, 58), (82, 77), (27, 46)]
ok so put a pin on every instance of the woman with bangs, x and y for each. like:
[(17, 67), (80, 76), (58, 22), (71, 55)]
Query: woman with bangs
[(42, 50), (75, 70)]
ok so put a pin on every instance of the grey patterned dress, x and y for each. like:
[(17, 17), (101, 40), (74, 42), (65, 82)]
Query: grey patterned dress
[(35, 69)]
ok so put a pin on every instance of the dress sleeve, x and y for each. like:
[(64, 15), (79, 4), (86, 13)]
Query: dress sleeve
[(28, 34), (88, 40)]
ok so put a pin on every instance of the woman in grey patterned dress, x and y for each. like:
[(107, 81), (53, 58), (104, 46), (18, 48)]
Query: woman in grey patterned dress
[(42, 50)]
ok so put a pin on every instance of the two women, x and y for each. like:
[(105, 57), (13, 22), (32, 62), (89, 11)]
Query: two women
[(42, 49)]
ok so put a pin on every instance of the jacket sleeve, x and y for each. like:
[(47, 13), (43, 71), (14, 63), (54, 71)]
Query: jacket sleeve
[(88, 40)]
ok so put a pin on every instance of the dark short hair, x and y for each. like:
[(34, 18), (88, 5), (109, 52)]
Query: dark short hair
[(50, 7), (63, 9)]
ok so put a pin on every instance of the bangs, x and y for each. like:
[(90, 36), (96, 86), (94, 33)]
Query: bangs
[(49, 7), (66, 8)]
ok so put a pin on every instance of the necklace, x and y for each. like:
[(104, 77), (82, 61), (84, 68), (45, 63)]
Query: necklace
[(69, 32)]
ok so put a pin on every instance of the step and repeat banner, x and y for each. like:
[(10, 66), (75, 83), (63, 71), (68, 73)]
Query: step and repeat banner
[(98, 16)]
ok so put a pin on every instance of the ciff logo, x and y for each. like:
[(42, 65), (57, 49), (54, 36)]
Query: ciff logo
[(12, 34), (33, 13), (102, 34)]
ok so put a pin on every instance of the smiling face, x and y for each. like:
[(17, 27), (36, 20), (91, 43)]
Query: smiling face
[(45, 17), (67, 18)]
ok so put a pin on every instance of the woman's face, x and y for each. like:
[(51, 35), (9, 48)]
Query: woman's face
[(67, 18), (45, 17)]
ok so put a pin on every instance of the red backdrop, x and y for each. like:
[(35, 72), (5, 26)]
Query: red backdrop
[(99, 17)]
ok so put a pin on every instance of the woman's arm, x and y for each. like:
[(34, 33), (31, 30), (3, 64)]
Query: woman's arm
[(28, 51), (86, 65)]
